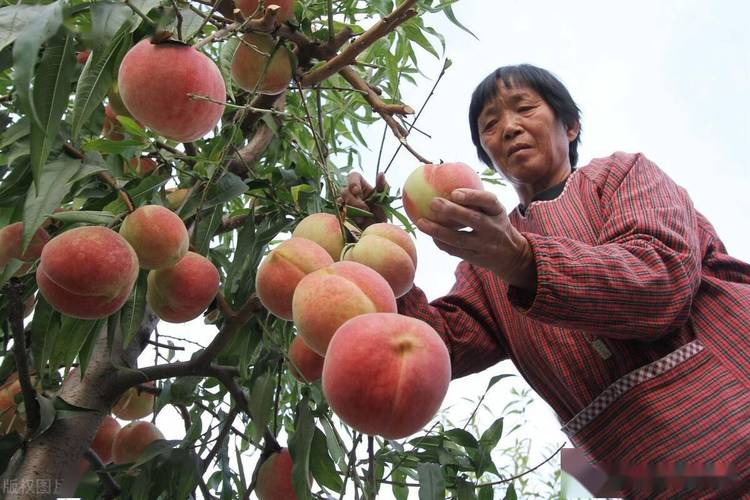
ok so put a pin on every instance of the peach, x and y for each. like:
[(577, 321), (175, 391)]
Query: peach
[(390, 251), (158, 236), (250, 8), (87, 272), (431, 181), (175, 197), (181, 293), (274, 481), (135, 403), (386, 374), (283, 268), (252, 70), (306, 365), (154, 81), (115, 101), (325, 230), (83, 56), (105, 436), (131, 441), (11, 239), (326, 298), (8, 416), (141, 165)]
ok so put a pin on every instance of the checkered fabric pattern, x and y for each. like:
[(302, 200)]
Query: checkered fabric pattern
[(623, 257)]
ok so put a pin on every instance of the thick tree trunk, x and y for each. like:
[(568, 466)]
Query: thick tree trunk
[(50, 467)]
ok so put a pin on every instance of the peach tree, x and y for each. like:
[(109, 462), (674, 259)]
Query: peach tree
[(152, 153)]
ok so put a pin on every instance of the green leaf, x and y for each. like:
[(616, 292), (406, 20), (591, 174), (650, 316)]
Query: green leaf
[(131, 314), (207, 226), (84, 353), (97, 77), (53, 186), (14, 19), (492, 435), (462, 437), (465, 490), (321, 465), (156, 448), (88, 217), (431, 482), (15, 132), (261, 403), (228, 48), (50, 97), (498, 378), (399, 491), (486, 493), (71, 337), (299, 447), (26, 50), (44, 328), (106, 20), (452, 18), (227, 188), (510, 493), (46, 415)]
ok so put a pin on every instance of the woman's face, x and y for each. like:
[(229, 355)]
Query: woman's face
[(527, 144)]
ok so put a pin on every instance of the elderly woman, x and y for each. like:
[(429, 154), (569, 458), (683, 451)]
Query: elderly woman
[(612, 295)]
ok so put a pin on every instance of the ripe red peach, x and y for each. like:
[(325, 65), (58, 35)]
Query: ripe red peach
[(87, 272), (132, 440), (431, 181), (250, 8), (83, 56), (112, 128), (11, 239), (390, 251), (154, 82), (135, 403), (251, 69), (386, 374), (181, 293), (325, 230), (305, 364), (274, 481), (105, 436), (283, 268), (158, 236), (328, 297)]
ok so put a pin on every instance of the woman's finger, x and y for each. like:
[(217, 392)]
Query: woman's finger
[(485, 201)]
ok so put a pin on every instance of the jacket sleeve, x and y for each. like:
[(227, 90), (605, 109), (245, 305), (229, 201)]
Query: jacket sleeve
[(464, 319), (639, 279)]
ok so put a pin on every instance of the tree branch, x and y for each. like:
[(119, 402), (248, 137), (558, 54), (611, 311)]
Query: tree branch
[(15, 293), (220, 440), (387, 24), (111, 488)]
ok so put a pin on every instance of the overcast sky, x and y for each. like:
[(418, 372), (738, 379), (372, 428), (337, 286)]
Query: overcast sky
[(670, 79)]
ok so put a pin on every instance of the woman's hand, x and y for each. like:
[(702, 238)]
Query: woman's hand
[(493, 243), (360, 194)]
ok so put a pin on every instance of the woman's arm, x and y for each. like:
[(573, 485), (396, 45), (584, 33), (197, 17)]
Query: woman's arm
[(464, 319)]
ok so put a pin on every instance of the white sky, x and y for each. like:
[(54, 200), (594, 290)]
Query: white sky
[(670, 79)]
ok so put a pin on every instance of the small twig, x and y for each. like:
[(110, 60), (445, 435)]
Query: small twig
[(166, 346), (371, 467), (112, 489), (524, 472), (75, 153), (139, 12), (15, 294), (178, 14), (224, 306), (220, 440)]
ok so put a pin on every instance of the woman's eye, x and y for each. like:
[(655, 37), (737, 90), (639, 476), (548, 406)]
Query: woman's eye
[(523, 109), (489, 125)]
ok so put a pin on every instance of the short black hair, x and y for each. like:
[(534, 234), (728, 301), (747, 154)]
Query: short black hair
[(547, 85)]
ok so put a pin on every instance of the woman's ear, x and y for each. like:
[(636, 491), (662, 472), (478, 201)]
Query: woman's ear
[(572, 131)]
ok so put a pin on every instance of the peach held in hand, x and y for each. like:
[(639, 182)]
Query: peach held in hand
[(326, 298), (158, 236), (132, 440), (325, 230), (251, 69), (283, 268), (431, 181), (386, 374), (390, 251), (306, 365), (275, 477), (87, 272), (181, 293), (154, 82)]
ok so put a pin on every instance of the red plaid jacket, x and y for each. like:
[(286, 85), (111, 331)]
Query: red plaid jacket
[(624, 261)]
